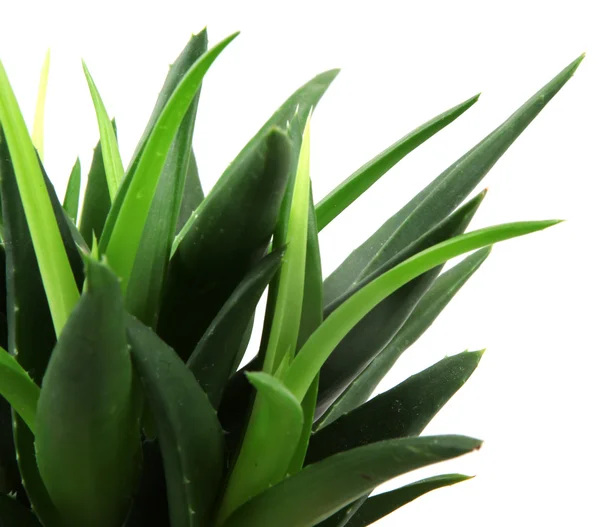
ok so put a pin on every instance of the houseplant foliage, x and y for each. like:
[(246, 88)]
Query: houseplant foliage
[(123, 399)]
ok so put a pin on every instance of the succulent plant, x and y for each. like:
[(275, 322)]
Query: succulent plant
[(123, 400)]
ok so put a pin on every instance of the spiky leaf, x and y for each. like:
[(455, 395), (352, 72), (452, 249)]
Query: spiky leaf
[(71, 201)]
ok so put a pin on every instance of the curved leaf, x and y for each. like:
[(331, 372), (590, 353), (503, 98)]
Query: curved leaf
[(441, 196), (87, 435), (193, 194), (13, 514), (220, 350), (37, 134), (121, 241), (220, 227), (370, 336), (18, 388), (71, 201), (319, 346), (403, 411), (269, 445), (429, 307), (189, 433), (113, 166), (361, 180), (320, 490)]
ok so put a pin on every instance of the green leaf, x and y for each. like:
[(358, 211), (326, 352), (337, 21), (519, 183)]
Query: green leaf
[(87, 433), (190, 436), (220, 350), (37, 135), (193, 194), (319, 346), (71, 201), (57, 276), (220, 227), (96, 200), (367, 511), (113, 166), (370, 336), (429, 307), (285, 326), (441, 196), (121, 242), (150, 266), (360, 181), (403, 411), (269, 444), (18, 388), (319, 490), (381, 505), (13, 514)]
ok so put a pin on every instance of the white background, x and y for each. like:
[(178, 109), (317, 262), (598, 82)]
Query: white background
[(533, 304)]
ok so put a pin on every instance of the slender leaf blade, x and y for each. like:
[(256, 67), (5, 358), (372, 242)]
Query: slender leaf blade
[(362, 179), (189, 434), (320, 490), (113, 166), (319, 346), (71, 201), (193, 194), (37, 135)]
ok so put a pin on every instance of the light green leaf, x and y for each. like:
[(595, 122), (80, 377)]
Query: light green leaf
[(360, 181), (37, 135), (59, 283), (18, 388), (71, 201), (429, 307), (319, 346), (121, 242), (320, 490), (113, 166), (269, 443)]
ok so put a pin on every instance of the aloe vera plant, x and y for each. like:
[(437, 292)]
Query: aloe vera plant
[(124, 322)]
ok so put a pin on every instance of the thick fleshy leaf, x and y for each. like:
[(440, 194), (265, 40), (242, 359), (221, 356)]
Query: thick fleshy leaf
[(27, 307), (96, 200), (441, 196), (403, 411), (368, 512), (59, 282), (370, 336), (71, 201), (150, 267), (219, 352), (429, 307), (197, 286), (269, 444), (87, 433), (361, 180), (113, 166), (10, 480), (13, 514), (127, 217), (193, 194), (37, 134), (320, 490), (189, 433), (18, 388), (323, 341)]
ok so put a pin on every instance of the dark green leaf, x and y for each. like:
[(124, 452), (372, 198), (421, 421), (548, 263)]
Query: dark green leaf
[(150, 266), (343, 516), (441, 196), (96, 201), (402, 411), (361, 180), (189, 433), (220, 350), (71, 201), (381, 505), (320, 490), (370, 336), (197, 286), (429, 307), (13, 514), (87, 433), (192, 193)]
